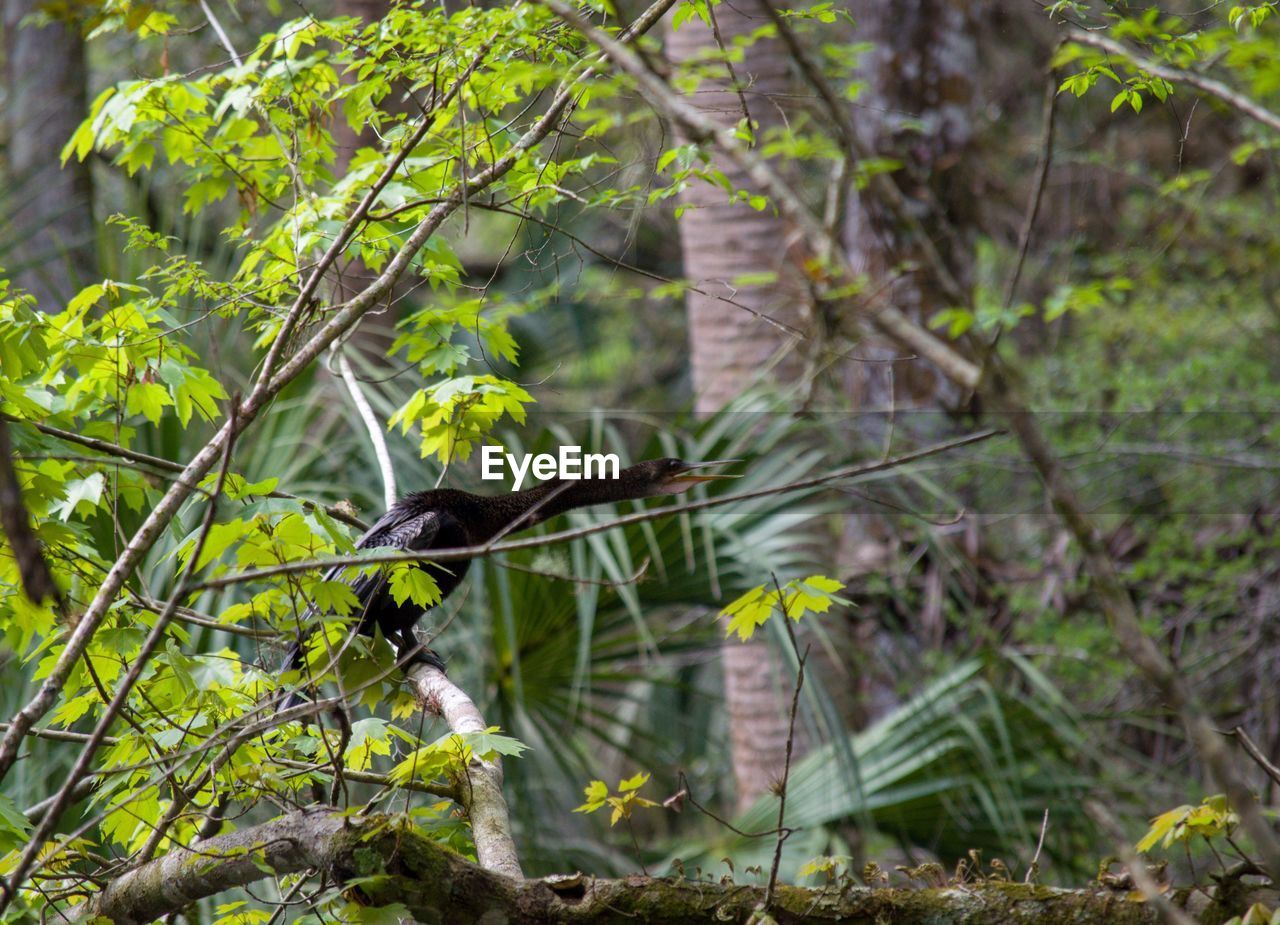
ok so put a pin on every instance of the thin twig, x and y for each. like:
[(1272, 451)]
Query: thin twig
[(783, 831), (1256, 753), (1233, 98), (686, 793), (167, 465), (446, 791), (1043, 163), (1034, 866), (728, 66)]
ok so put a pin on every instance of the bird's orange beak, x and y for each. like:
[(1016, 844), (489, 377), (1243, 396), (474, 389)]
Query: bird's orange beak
[(687, 479)]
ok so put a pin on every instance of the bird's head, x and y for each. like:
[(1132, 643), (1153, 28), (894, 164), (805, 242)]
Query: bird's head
[(672, 476)]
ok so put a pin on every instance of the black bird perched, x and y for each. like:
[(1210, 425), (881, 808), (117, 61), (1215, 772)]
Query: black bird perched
[(446, 518)]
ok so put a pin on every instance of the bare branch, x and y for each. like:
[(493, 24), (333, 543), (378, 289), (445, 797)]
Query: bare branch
[(1256, 753), (783, 832), (371, 425), (481, 794)]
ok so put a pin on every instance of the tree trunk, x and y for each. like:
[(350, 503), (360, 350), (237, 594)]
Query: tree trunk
[(736, 346), (376, 332), (53, 250), (916, 108)]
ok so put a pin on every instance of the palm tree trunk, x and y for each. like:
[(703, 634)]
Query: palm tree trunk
[(741, 336), (52, 252)]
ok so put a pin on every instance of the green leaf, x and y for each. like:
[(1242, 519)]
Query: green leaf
[(369, 737), (596, 793), (14, 826), (748, 612), (796, 598), (148, 399), (633, 783), (334, 597), (409, 582)]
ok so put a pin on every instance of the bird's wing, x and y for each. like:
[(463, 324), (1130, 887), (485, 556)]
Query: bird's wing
[(396, 529), (415, 531)]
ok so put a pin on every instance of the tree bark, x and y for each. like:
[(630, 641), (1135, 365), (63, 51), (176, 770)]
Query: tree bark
[(916, 108), (51, 214), (481, 794), (742, 336), (436, 885)]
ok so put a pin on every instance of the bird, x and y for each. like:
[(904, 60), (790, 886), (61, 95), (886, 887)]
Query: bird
[(447, 518)]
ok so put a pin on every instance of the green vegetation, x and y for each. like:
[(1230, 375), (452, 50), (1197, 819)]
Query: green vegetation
[(339, 256)]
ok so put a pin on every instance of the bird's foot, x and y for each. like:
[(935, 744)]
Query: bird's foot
[(414, 653)]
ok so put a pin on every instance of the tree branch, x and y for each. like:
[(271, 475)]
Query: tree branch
[(475, 552), (436, 885), (481, 794), (1206, 85), (166, 465), (371, 425)]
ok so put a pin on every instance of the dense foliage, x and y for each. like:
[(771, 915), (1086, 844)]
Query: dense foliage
[(465, 218)]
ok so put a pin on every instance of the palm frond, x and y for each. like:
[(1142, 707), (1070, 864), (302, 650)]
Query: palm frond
[(970, 762)]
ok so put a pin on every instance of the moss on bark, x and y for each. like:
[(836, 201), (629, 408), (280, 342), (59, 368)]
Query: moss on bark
[(388, 862)]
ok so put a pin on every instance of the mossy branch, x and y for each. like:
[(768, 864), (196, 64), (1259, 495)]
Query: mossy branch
[(436, 885)]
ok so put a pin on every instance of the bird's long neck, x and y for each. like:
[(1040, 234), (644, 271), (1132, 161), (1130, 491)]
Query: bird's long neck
[(520, 510)]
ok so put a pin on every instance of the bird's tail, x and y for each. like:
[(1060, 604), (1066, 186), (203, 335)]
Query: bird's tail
[(292, 662)]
